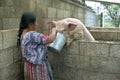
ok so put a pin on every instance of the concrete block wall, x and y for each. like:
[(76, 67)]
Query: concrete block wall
[(11, 67), (10, 12), (47, 10), (81, 61), (106, 34), (87, 61)]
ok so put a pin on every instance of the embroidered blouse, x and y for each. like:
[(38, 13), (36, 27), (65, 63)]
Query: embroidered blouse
[(33, 47)]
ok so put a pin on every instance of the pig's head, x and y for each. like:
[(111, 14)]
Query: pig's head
[(64, 26)]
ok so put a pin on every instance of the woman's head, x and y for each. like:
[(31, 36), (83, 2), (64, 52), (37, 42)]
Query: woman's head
[(28, 21)]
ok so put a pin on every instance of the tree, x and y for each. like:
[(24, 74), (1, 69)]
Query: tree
[(113, 12)]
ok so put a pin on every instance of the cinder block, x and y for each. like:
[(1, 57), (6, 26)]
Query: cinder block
[(113, 65), (68, 60), (101, 35), (82, 62), (80, 16), (69, 74), (14, 70), (99, 64), (51, 57), (80, 10), (78, 63), (118, 36), (83, 48), (6, 57), (96, 35), (62, 5), (46, 3), (3, 73), (49, 3), (20, 7), (68, 6), (60, 13), (67, 14), (79, 74), (3, 12), (32, 4), (100, 76), (6, 2), (12, 12), (9, 38), (1, 27), (75, 12), (7, 12), (97, 49), (1, 40), (11, 72), (105, 65), (115, 50), (111, 36), (74, 48), (55, 3), (52, 12), (17, 55), (91, 76), (10, 23), (45, 13)]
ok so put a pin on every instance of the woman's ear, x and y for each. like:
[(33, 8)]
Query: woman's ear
[(72, 26)]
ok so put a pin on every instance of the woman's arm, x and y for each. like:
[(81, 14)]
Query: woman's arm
[(52, 35)]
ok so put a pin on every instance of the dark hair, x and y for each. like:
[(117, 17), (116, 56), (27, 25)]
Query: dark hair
[(26, 19)]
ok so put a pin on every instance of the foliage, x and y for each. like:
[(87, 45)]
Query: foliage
[(113, 10)]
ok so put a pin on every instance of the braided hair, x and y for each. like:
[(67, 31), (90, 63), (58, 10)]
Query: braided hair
[(26, 19)]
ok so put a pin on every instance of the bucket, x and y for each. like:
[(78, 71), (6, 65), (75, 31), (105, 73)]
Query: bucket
[(58, 43)]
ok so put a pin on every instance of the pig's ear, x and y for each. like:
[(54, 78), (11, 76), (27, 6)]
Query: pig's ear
[(72, 26)]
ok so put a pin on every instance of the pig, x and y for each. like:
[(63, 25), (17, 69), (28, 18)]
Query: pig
[(73, 29)]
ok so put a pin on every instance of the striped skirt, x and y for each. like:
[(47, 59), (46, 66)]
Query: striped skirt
[(37, 72)]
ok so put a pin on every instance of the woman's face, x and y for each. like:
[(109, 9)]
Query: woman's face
[(32, 27)]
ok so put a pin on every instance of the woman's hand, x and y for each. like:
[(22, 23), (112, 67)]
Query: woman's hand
[(51, 24), (52, 35)]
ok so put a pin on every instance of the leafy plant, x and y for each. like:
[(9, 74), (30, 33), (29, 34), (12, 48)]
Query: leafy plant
[(113, 10)]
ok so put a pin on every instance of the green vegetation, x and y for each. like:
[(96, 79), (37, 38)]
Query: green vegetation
[(113, 14)]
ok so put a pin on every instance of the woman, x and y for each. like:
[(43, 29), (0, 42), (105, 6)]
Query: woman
[(36, 66)]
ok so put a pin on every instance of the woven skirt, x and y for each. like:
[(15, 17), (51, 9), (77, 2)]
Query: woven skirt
[(37, 72)]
